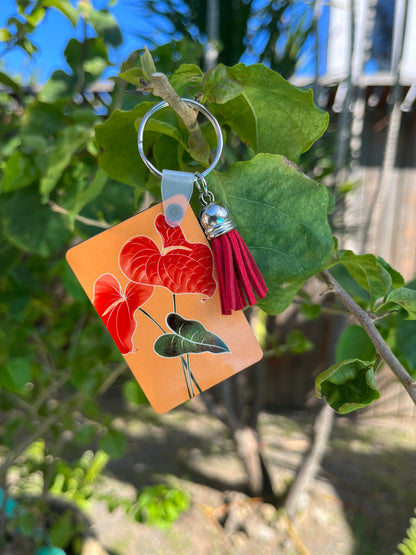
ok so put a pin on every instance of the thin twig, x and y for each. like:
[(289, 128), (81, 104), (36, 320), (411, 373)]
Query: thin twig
[(111, 378), (294, 536), (367, 322), (87, 221)]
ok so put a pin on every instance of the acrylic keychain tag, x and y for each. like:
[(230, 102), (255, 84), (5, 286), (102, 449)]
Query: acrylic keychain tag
[(154, 286)]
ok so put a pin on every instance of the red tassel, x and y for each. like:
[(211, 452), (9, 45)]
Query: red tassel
[(239, 278)]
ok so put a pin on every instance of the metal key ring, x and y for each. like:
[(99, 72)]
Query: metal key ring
[(194, 104)]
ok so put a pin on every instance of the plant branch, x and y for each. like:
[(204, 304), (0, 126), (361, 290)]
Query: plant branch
[(367, 322), (161, 87)]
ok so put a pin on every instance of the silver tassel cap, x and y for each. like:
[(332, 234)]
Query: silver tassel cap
[(215, 220)]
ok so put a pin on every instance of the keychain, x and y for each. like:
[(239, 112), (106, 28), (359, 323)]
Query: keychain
[(174, 317), (238, 275)]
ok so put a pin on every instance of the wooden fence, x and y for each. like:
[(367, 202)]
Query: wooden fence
[(392, 235)]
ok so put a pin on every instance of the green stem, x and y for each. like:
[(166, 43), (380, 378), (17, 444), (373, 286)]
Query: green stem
[(153, 320), (191, 376), (184, 369)]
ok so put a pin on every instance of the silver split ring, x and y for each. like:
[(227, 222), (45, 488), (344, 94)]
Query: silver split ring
[(194, 104)]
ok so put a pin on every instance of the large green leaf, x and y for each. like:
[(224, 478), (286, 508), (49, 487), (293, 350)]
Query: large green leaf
[(348, 385), (189, 336), (283, 220), (117, 138), (266, 111)]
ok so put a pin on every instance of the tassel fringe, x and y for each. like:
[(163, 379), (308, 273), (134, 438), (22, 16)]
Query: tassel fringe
[(239, 278)]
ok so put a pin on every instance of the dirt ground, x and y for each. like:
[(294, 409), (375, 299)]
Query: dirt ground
[(360, 504)]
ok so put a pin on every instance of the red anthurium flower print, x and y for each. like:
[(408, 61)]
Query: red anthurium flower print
[(180, 266), (116, 308)]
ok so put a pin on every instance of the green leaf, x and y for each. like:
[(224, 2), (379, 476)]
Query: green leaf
[(62, 530), (78, 54), (347, 282), (43, 119), (405, 335), (67, 142), (32, 227), (5, 35), (282, 219), (8, 81), (406, 298), (65, 7), (20, 172), (59, 85), (147, 64), (189, 336), (348, 385), (266, 111), (36, 16), (113, 443), (310, 311), (106, 27), (296, 342), (90, 192), (16, 374), (117, 138), (26, 521), (397, 280), (186, 80), (133, 75), (133, 393), (354, 343), (369, 273), (162, 128), (85, 434)]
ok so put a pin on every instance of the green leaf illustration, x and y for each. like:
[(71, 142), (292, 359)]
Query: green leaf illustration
[(348, 385), (282, 219), (189, 336)]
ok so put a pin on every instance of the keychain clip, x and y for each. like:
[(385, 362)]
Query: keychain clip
[(177, 190)]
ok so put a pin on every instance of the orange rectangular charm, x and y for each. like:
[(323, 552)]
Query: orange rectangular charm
[(154, 287)]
